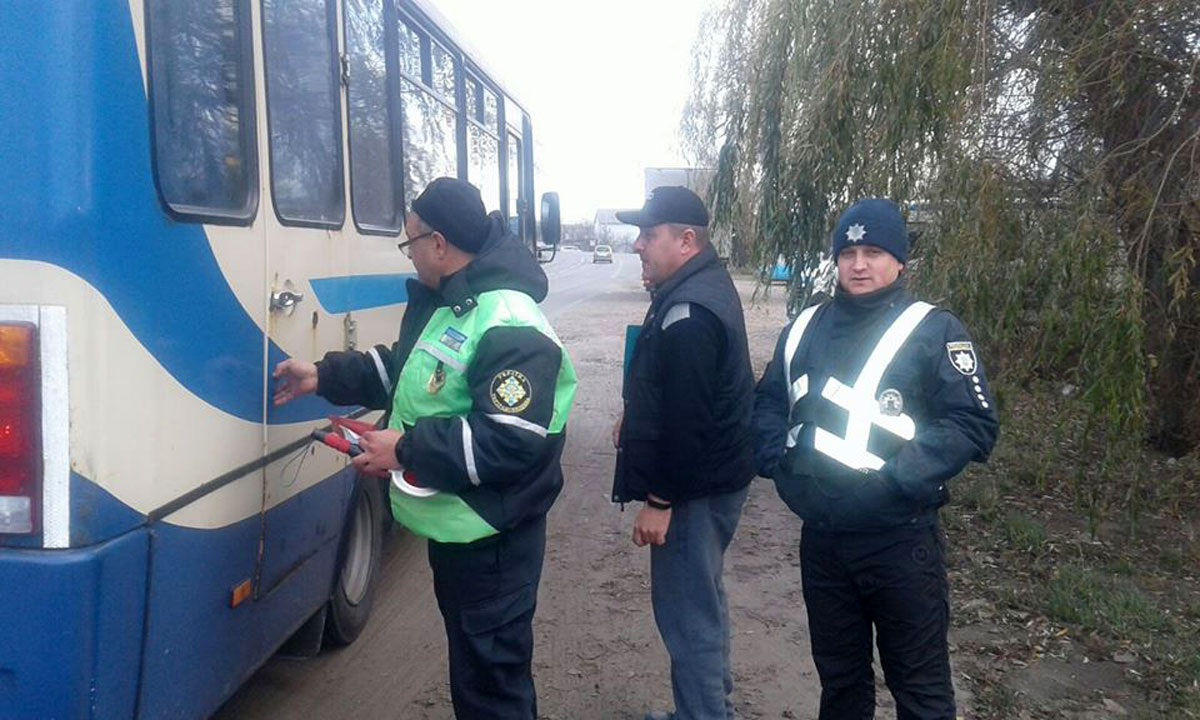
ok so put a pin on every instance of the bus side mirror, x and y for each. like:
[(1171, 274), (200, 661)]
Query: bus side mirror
[(551, 227)]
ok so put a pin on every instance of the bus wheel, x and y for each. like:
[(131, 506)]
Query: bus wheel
[(362, 544)]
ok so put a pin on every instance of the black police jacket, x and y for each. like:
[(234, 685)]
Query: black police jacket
[(935, 380), (688, 392)]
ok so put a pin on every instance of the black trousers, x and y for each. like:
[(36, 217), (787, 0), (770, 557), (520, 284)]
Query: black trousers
[(487, 592), (894, 582)]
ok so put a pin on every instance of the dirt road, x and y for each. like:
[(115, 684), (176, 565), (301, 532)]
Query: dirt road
[(597, 651)]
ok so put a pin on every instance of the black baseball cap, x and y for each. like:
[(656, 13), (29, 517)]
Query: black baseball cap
[(668, 204)]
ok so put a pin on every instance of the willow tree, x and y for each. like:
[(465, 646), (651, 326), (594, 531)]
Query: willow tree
[(1050, 152)]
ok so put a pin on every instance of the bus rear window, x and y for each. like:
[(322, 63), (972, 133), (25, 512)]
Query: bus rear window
[(202, 91)]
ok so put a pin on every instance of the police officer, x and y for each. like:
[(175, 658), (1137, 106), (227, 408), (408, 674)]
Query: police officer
[(872, 403), (685, 446), (478, 388)]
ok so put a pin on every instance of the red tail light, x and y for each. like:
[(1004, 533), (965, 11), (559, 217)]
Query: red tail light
[(20, 429)]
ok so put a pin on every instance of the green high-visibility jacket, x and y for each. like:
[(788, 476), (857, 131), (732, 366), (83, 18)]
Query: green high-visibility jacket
[(480, 386)]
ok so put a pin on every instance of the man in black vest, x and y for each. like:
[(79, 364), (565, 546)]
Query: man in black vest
[(684, 443), (872, 403)]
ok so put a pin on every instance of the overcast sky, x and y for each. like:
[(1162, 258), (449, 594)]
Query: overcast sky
[(604, 83)]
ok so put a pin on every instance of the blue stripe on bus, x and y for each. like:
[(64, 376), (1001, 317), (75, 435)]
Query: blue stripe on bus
[(97, 515), (79, 193), (360, 292)]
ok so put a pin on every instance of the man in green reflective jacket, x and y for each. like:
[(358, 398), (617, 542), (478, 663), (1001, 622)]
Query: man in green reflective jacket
[(477, 389)]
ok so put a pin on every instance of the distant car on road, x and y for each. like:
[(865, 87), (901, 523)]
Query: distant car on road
[(602, 254), (569, 248)]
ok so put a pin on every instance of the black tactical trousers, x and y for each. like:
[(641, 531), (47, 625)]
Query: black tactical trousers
[(893, 582), (487, 592)]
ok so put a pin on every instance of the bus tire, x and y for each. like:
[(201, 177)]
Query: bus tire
[(358, 569)]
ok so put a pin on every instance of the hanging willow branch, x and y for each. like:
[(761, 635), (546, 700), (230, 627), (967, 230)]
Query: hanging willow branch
[(1049, 152)]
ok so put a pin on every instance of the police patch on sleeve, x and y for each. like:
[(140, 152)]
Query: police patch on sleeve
[(511, 391), (962, 356)]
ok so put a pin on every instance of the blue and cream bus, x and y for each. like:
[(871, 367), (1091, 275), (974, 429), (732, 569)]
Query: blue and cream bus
[(191, 191)]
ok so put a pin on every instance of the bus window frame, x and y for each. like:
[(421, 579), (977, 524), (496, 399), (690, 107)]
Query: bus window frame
[(425, 82), (514, 201), (470, 73), (391, 51), (331, 11), (512, 117), (430, 34), (247, 129)]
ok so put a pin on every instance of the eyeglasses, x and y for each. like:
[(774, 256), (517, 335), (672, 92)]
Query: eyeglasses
[(404, 245)]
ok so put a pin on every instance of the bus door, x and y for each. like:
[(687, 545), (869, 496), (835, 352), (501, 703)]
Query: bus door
[(305, 189), (334, 274)]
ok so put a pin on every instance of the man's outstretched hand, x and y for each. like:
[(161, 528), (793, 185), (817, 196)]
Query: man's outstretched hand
[(294, 378)]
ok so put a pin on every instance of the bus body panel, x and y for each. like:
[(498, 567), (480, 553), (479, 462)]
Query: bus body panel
[(188, 674), (72, 630)]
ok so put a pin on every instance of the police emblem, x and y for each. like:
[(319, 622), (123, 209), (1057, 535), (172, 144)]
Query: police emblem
[(855, 233), (511, 392), (962, 356), (891, 402)]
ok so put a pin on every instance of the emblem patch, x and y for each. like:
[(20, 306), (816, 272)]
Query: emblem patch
[(962, 357), (453, 339), (891, 403), (511, 391), (855, 233)]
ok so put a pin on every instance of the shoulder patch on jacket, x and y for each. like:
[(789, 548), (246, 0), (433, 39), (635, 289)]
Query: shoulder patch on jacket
[(675, 313), (962, 356), (511, 391)]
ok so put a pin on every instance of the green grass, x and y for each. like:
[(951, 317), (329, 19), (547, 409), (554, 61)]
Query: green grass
[(1024, 533), (1121, 566), (1096, 602), (1171, 559), (981, 496)]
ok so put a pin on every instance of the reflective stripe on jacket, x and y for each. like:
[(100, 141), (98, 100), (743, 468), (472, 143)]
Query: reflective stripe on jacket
[(868, 407)]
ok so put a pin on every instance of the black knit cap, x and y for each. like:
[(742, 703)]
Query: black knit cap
[(872, 221), (454, 208)]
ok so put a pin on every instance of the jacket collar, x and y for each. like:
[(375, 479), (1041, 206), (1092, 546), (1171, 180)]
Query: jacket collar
[(503, 263), (869, 303)]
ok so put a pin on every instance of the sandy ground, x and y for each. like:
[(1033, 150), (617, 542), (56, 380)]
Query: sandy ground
[(598, 654)]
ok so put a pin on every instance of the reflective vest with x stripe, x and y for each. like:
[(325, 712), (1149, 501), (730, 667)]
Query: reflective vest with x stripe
[(865, 403)]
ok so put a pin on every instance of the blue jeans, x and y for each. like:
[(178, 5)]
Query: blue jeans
[(689, 603)]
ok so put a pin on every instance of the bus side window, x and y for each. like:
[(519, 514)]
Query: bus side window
[(514, 185), (483, 144), (304, 111), (430, 117), (202, 97), (374, 140)]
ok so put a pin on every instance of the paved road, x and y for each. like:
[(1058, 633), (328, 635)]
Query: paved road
[(575, 280), (597, 651)]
